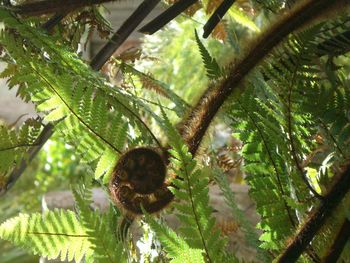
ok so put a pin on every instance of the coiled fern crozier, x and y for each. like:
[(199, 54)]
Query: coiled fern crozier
[(286, 97)]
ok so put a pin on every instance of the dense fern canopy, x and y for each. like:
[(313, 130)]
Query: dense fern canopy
[(276, 74)]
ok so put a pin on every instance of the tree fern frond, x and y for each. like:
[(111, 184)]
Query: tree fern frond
[(212, 67), (191, 187), (89, 113), (107, 248), (333, 116), (267, 169), (277, 130), (249, 230), (54, 234), (14, 144)]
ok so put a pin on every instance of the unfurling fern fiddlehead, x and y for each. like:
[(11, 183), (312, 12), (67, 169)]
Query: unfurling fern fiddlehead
[(138, 180)]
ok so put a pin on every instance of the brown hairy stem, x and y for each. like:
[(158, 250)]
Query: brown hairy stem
[(195, 125), (54, 6), (339, 243), (315, 221)]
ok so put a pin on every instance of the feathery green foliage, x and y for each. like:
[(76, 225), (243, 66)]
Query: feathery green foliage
[(67, 236), (14, 144), (249, 230), (273, 119), (276, 119), (88, 112), (191, 188), (211, 65), (176, 247), (105, 244), (292, 116), (53, 234)]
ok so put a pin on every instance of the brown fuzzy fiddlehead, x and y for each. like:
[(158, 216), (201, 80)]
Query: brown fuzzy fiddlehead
[(139, 180)]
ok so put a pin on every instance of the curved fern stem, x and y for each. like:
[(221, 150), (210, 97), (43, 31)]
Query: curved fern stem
[(339, 243), (195, 125), (308, 231)]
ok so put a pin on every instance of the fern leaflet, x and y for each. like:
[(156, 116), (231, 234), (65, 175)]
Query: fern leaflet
[(54, 234), (14, 144), (191, 187)]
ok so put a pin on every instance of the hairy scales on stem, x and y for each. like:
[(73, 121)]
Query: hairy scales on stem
[(193, 128)]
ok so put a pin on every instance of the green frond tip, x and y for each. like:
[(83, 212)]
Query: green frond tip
[(54, 234), (176, 247), (211, 66)]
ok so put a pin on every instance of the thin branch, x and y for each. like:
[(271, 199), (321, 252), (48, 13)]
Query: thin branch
[(53, 21), (216, 17), (123, 33), (54, 6), (339, 243), (316, 220), (164, 18), (193, 127), (57, 234)]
